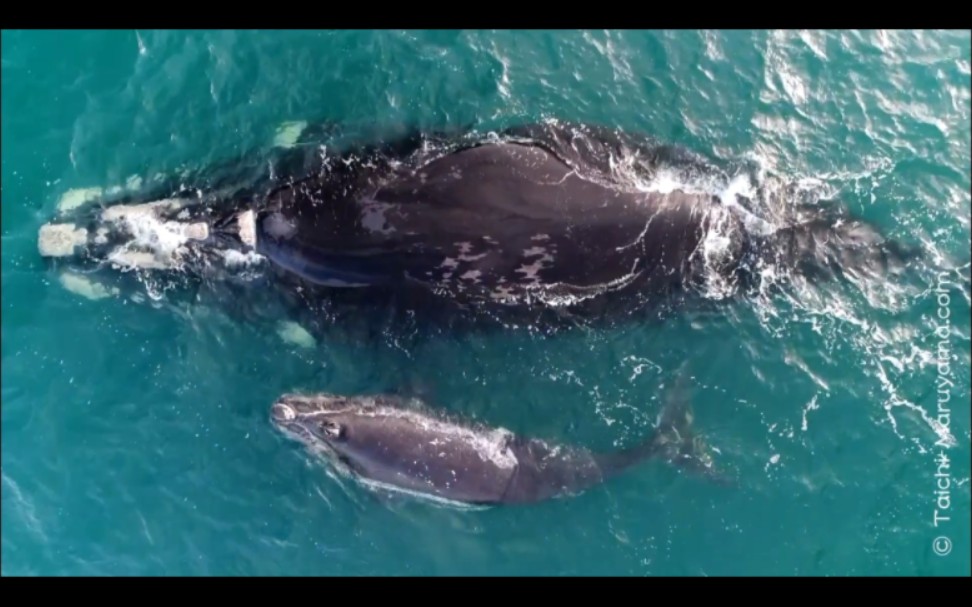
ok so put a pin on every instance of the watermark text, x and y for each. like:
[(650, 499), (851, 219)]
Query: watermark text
[(944, 383)]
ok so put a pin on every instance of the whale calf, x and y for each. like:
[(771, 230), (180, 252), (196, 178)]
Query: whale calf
[(536, 222), (400, 444)]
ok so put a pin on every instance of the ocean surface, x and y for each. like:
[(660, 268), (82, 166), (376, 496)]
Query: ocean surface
[(136, 441)]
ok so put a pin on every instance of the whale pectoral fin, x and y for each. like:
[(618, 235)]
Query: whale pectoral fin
[(288, 133), (318, 132), (77, 198), (294, 334), (89, 289)]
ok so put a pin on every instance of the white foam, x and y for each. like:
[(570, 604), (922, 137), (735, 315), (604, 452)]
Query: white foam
[(234, 258), (742, 186), (428, 497), (155, 243)]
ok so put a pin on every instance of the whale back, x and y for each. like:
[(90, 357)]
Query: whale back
[(421, 454), (495, 221), (546, 471)]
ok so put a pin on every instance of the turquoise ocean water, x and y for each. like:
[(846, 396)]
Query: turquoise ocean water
[(136, 441)]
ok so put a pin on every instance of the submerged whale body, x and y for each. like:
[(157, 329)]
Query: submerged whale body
[(536, 223)]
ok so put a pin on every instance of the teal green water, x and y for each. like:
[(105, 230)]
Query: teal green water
[(137, 442)]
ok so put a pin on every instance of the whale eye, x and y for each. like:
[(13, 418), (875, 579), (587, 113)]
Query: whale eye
[(331, 429)]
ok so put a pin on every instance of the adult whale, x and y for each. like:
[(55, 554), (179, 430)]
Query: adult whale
[(537, 223), (393, 443)]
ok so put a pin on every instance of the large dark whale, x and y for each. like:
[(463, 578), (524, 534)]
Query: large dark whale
[(394, 443), (544, 221)]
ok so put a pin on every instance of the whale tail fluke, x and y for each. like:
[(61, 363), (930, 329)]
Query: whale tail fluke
[(674, 439)]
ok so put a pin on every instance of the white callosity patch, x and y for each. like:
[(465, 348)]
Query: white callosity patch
[(60, 240), (288, 133), (247, 222), (197, 231)]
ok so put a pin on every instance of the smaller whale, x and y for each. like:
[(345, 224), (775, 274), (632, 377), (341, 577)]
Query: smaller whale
[(396, 443)]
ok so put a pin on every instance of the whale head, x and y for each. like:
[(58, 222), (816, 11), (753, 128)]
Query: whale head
[(355, 433), (170, 238), (318, 420)]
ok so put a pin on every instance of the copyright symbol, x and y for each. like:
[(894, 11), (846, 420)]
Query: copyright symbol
[(942, 545)]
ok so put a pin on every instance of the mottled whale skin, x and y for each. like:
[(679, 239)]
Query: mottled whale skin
[(394, 443), (503, 223), (534, 223)]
